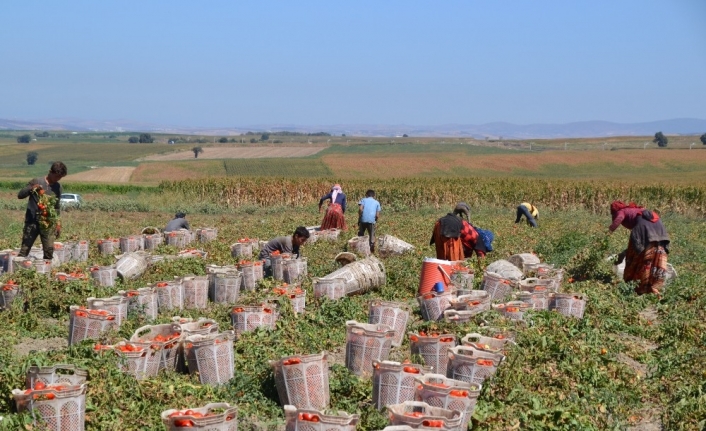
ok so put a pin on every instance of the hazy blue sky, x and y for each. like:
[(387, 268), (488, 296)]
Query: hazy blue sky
[(237, 63)]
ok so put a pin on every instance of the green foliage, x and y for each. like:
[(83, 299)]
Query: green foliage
[(133, 139), (703, 139), (196, 151), (281, 167), (145, 138), (223, 140), (32, 157), (24, 139), (660, 139)]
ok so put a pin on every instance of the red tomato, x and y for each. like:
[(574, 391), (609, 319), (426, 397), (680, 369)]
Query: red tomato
[(183, 423), (39, 385), (411, 370)]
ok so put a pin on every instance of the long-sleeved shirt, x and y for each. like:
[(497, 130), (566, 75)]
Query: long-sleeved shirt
[(340, 199), (627, 217), (31, 215), (283, 244), (470, 241), (176, 224)]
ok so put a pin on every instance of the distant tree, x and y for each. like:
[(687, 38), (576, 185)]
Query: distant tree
[(196, 151), (405, 136), (223, 140), (32, 157), (133, 139), (146, 138), (265, 137), (253, 140), (660, 139), (343, 134), (111, 136), (44, 134), (24, 139), (703, 139)]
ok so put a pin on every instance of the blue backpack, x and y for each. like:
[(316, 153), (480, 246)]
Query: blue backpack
[(486, 236)]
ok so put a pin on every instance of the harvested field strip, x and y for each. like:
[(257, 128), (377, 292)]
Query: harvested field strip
[(154, 172), (242, 152), (118, 174), (276, 168)]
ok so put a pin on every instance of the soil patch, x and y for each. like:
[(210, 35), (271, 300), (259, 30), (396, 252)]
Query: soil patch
[(651, 315), (647, 419), (28, 345), (115, 174), (638, 342)]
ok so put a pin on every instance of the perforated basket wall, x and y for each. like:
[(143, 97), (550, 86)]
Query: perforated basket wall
[(393, 383), (200, 326), (362, 275), (463, 280), (162, 355), (570, 304), (115, 304), (297, 297), (439, 391), (84, 325), (418, 414), (277, 262), (178, 238), (153, 241), (303, 420), (494, 343), (60, 373), (366, 343), (136, 363), (475, 300), (433, 304), (43, 266), (295, 270), (225, 420), (556, 276), (433, 348), (207, 234), (104, 275), (61, 253), (388, 245), (331, 288), (132, 243), (195, 291), (499, 288), (225, 287), (211, 356), (513, 310), (79, 250), (537, 300), (247, 318), (108, 246), (252, 273), (303, 381), (142, 301), (8, 293), (241, 249), (65, 412), (392, 314), (359, 245), (170, 295), (472, 366)]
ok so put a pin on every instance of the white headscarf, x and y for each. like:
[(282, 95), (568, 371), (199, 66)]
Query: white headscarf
[(335, 190)]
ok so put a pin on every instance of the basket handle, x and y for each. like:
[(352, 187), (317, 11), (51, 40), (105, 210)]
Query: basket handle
[(443, 271)]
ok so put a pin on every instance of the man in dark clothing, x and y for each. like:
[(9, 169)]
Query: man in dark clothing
[(49, 230), (283, 244), (178, 222)]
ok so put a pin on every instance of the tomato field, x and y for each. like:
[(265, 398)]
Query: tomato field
[(631, 362)]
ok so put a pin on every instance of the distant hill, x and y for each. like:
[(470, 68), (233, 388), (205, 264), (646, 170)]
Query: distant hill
[(584, 129)]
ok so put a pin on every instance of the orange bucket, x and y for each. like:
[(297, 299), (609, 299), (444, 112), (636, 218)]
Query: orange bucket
[(433, 271)]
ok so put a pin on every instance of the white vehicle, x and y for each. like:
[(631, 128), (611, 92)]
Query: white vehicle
[(70, 200)]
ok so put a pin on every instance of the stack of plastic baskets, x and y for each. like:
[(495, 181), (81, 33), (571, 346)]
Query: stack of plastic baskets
[(117, 305), (394, 383), (252, 273), (570, 304), (314, 420), (366, 343), (89, 324), (331, 288), (170, 295), (195, 291), (295, 294), (108, 246), (163, 342), (211, 356), (433, 304), (433, 348), (247, 318), (60, 410), (467, 306), (200, 326), (212, 417), (513, 310), (471, 365), (393, 314), (498, 287), (439, 391), (419, 414), (142, 301), (225, 287), (8, 293), (104, 275), (295, 270), (303, 381)]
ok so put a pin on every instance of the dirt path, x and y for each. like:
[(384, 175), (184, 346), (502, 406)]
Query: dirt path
[(238, 153), (116, 174)]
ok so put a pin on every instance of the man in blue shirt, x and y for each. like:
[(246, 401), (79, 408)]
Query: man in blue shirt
[(368, 214)]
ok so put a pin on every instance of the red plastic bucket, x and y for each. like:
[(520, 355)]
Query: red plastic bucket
[(433, 271)]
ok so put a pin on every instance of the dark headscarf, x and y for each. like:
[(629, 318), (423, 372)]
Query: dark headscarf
[(463, 208)]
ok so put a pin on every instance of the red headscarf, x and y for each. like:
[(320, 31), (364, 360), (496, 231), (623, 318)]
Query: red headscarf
[(619, 205)]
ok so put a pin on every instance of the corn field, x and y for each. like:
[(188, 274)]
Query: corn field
[(403, 194)]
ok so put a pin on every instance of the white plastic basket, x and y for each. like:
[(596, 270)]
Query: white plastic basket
[(88, 324), (433, 304), (225, 287), (303, 380), (314, 420), (393, 314), (247, 318), (195, 291), (433, 348), (439, 391), (394, 383), (211, 356), (115, 304), (366, 343), (226, 420), (65, 411), (142, 301), (471, 365), (419, 414)]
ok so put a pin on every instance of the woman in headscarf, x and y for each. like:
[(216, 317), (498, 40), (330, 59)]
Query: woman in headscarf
[(470, 239), (334, 217), (446, 236), (646, 255)]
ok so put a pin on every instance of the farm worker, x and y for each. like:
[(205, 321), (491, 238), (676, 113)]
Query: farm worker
[(529, 211), (447, 238), (368, 215), (646, 255), (283, 244), (178, 222), (334, 219), (470, 240), (43, 210)]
